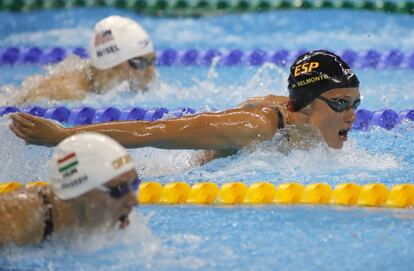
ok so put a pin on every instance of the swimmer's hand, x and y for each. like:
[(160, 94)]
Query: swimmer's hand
[(35, 130)]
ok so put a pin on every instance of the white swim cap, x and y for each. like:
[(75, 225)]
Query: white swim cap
[(117, 39), (85, 161)]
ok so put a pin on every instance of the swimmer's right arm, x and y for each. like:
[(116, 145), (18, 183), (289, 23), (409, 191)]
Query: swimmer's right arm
[(21, 221), (231, 129)]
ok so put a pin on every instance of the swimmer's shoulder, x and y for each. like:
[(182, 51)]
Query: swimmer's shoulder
[(24, 212), (269, 100)]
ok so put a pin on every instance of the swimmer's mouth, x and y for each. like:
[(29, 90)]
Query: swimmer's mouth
[(343, 134), (123, 222)]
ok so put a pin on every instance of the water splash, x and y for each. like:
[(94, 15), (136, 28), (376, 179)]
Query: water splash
[(134, 246)]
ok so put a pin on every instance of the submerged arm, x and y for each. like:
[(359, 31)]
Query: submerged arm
[(231, 129), (67, 86)]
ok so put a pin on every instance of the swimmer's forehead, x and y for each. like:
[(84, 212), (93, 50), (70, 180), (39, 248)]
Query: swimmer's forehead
[(350, 93), (126, 177)]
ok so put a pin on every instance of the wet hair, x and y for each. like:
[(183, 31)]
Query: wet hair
[(314, 73)]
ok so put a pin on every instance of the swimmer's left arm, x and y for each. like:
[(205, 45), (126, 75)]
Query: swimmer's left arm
[(231, 129)]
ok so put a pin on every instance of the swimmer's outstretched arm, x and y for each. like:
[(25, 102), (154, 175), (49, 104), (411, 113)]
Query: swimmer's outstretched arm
[(231, 129)]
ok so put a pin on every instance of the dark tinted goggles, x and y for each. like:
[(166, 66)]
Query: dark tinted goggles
[(121, 190), (140, 63), (340, 105)]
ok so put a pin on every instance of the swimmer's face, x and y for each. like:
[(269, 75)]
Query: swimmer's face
[(334, 126), (140, 70), (137, 72), (105, 209)]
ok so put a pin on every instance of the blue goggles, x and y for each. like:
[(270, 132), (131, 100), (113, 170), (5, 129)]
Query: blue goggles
[(340, 105), (140, 63), (121, 190)]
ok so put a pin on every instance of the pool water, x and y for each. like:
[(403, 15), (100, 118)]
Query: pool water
[(268, 237)]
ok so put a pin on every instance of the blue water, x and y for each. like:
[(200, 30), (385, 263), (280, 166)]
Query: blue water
[(240, 237)]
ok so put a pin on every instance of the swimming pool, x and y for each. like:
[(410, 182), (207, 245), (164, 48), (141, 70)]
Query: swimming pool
[(236, 237)]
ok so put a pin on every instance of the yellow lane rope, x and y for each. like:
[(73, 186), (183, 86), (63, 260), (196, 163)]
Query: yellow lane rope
[(345, 194)]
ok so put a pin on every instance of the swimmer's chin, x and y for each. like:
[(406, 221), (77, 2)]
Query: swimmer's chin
[(304, 137), (123, 222)]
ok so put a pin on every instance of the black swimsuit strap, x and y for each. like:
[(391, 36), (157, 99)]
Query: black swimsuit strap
[(49, 215), (280, 119)]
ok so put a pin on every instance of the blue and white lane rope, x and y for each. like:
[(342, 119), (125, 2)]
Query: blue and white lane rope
[(385, 118), (372, 59)]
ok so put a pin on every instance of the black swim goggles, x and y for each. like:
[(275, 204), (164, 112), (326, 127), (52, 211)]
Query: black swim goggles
[(121, 190), (340, 105), (140, 63)]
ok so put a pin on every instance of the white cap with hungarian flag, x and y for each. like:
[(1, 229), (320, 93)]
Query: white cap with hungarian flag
[(85, 161)]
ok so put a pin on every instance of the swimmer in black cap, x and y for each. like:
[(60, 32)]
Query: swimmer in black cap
[(326, 90), (323, 95)]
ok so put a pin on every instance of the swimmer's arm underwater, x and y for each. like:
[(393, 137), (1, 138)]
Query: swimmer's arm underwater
[(68, 86), (231, 129)]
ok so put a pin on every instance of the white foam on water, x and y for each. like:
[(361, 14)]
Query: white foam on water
[(70, 37), (120, 248), (264, 162), (21, 162)]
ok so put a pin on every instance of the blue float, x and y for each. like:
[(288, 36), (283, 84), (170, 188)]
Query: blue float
[(82, 116), (394, 59), (209, 55), (363, 119), (35, 111), (411, 61), (33, 55), (80, 52), (135, 113), (280, 58), (386, 118), (10, 56), (182, 111), (406, 115), (257, 57), (107, 114), (168, 57), (371, 59), (155, 113), (349, 56), (190, 57), (59, 113), (8, 109), (55, 55), (233, 58)]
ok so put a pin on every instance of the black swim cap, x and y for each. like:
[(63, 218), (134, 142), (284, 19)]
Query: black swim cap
[(314, 73)]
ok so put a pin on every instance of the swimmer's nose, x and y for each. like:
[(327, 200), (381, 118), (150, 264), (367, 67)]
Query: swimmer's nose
[(150, 72), (350, 116), (132, 198)]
